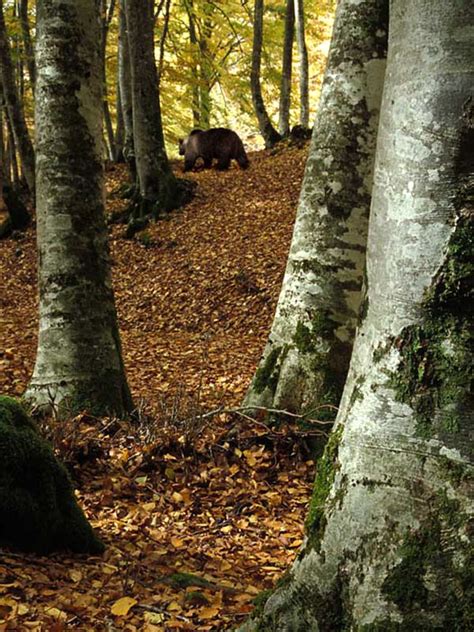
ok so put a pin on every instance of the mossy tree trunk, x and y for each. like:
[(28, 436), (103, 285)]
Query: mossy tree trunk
[(79, 361), (158, 186), (14, 106), (306, 359), (268, 132), (389, 532), (287, 59)]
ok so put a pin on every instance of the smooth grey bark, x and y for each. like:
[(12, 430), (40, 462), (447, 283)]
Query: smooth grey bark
[(303, 63), (389, 533), (14, 106), (27, 43), (158, 186), (306, 359), (79, 362), (125, 82), (285, 85), (268, 132)]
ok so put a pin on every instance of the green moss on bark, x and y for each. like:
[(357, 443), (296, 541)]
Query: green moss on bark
[(38, 510), (325, 474), (433, 583), (436, 367), (267, 375)]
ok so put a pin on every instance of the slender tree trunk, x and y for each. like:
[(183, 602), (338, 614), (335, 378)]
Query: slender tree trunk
[(303, 63), (268, 132), (389, 543), (205, 75), (15, 110), (285, 85), (79, 362), (107, 12), (158, 186), (12, 159), (27, 43), (119, 128), (125, 81), (194, 70), (306, 359)]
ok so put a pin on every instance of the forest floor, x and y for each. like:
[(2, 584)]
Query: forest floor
[(198, 514)]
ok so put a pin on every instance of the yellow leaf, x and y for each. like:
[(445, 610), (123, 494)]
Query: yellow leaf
[(177, 543), (174, 606), (208, 613), (122, 606), (75, 575)]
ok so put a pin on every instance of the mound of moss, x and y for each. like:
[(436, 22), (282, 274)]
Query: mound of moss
[(38, 510)]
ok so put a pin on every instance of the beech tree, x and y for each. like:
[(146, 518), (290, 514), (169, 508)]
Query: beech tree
[(159, 189), (15, 107), (303, 63), (268, 132), (285, 85), (307, 355), (79, 362), (388, 543)]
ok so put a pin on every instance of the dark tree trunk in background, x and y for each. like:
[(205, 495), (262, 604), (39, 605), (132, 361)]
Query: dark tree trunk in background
[(205, 75), (79, 361), (268, 132), (15, 109), (29, 49), (158, 186), (285, 85), (303, 63), (107, 13), (12, 159), (125, 82), (120, 128), (194, 69)]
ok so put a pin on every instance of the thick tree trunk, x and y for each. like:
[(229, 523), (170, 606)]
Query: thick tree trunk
[(125, 81), (79, 362), (205, 75), (285, 85), (268, 132), (29, 51), (158, 186), (306, 359), (15, 110), (389, 532), (303, 63)]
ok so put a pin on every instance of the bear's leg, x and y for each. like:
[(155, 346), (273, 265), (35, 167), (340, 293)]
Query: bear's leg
[(207, 163), (223, 162), (189, 164)]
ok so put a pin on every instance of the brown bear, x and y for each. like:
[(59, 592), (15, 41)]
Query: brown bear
[(217, 142)]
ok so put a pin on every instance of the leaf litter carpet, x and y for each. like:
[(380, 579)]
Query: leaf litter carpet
[(199, 514)]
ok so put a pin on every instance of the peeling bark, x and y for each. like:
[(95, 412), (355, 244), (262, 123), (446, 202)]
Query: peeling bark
[(79, 362), (388, 544), (306, 359)]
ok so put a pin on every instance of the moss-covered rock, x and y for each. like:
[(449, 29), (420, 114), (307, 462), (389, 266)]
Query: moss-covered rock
[(38, 510)]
